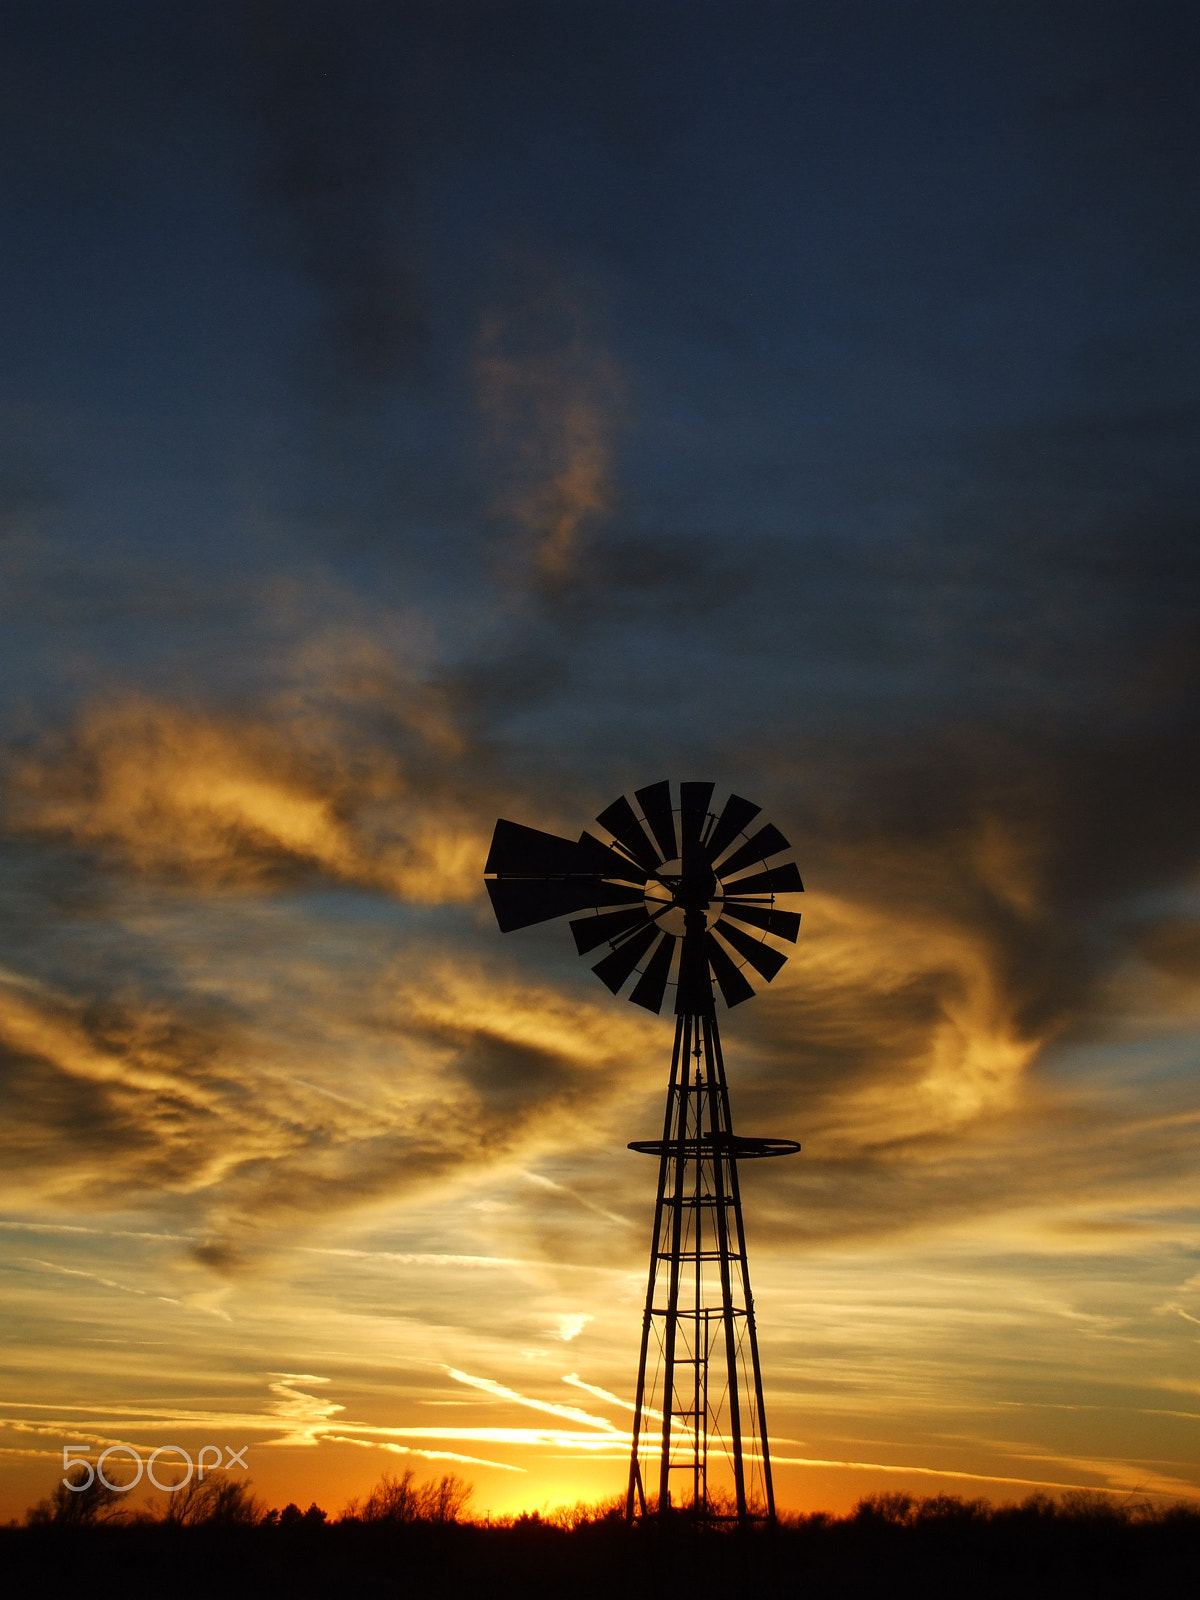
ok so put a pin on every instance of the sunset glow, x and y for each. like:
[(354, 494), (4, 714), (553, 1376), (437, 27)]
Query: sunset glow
[(420, 415)]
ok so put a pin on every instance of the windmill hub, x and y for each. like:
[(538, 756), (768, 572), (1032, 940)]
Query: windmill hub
[(696, 888), (671, 894)]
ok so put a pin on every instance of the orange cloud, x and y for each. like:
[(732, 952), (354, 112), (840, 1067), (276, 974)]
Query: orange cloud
[(913, 1003), (226, 799)]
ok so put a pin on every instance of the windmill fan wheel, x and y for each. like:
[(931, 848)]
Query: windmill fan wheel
[(681, 896)]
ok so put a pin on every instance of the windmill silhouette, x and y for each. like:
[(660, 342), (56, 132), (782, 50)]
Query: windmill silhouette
[(681, 897)]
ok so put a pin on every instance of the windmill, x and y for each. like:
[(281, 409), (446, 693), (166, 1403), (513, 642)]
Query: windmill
[(679, 897)]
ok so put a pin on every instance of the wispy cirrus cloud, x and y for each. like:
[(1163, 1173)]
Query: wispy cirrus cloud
[(549, 395), (147, 1100)]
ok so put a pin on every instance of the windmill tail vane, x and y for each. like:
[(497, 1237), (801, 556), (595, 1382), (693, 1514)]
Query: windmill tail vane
[(684, 899)]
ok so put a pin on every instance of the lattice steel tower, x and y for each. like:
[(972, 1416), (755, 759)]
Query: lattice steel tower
[(672, 896)]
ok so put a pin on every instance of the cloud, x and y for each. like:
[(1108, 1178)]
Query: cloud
[(241, 800), (99, 1098), (548, 394), (424, 1455), (196, 1111), (900, 1047), (571, 1325), (980, 897), (305, 1416), (106, 1283), (903, 1025), (569, 1413), (902, 1044)]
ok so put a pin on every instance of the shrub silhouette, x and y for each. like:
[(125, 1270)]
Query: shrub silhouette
[(403, 1499)]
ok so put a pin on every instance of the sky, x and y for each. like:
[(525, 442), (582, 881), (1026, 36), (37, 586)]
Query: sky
[(415, 414)]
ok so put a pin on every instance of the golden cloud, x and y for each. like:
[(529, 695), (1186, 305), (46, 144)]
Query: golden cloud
[(245, 1130), (895, 1044), (233, 800), (910, 1005)]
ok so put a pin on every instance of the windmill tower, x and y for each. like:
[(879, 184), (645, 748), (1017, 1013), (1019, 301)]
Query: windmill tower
[(680, 897)]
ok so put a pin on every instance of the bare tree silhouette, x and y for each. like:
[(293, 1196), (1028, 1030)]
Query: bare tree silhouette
[(403, 1499), (79, 1507), (216, 1499)]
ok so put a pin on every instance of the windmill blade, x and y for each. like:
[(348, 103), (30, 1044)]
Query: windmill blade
[(777, 880), (736, 818), (765, 961), (520, 902), (694, 996), (734, 986), (592, 931), (621, 821), (766, 842), (616, 967), (652, 985), (693, 808), (521, 852), (655, 801), (783, 924), (609, 863)]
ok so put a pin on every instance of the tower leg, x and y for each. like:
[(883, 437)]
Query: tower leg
[(719, 1132), (679, 1141), (739, 1255), (635, 1474)]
